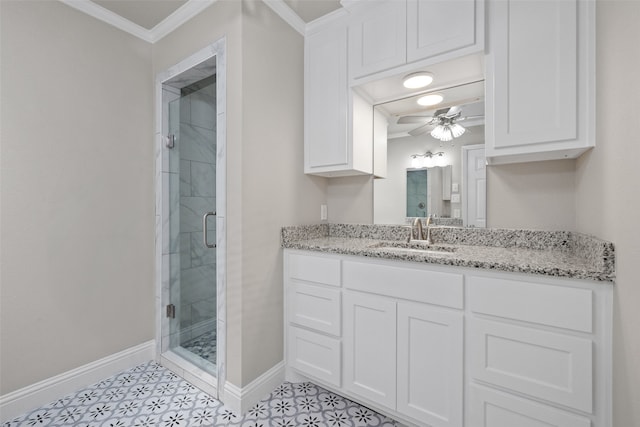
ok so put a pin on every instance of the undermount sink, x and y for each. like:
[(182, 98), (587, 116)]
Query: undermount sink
[(415, 247)]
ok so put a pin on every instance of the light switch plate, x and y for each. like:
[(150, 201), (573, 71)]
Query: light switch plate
[(455, 198), (454, 187)]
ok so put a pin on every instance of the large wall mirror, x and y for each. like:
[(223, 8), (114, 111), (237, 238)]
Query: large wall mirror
[(435, 153)]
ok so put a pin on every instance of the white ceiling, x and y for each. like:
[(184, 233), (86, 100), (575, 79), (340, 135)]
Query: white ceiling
[(149, 13)]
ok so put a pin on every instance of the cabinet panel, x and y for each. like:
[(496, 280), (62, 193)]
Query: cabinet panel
[(529, 96), (490, 408), (326, 100), (315, 269), (370, 347), (432, 287), (542, 364), (315, 307), (557, 306), (314, 354), (377, 38), (540, 88), (430, 346), (435, 27)]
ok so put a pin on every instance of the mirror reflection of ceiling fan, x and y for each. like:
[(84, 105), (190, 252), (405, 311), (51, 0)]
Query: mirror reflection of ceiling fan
[(443, 124)]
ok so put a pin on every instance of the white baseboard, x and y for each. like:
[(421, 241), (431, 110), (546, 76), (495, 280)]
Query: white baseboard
[(44, 392), (239, 400)]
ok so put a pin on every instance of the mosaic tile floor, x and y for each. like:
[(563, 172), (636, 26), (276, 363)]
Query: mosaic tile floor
[(151, 396), (204, 346)]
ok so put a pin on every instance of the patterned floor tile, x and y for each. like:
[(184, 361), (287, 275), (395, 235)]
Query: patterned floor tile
[(151, 396)]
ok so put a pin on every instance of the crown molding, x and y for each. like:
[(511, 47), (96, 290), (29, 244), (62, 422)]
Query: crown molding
[(286, 13), (111, 18), (185, 12), (179, 17)]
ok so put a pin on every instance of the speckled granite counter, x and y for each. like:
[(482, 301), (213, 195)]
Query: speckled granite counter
[(548, 253)]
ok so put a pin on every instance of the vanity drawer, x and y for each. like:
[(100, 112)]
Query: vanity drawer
[(314, 354), (315, 307), (317, 269), (547, 365), (491, 408), (558, 306), (432, 287)]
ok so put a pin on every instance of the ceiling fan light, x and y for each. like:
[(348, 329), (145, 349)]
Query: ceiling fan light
[(437, 131), (417, 80), (429, 100), (457, 130)]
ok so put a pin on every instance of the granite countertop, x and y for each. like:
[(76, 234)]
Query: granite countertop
[(547, 253)]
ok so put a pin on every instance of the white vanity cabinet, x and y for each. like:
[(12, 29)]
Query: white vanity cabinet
[(338, 124), (390, 34), (433, 345), (540, 80), (541, 352)]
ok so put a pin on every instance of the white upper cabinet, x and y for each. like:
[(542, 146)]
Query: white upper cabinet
[(435, 27), (338, 123), (377, 38), (396, 33), (540, 82)]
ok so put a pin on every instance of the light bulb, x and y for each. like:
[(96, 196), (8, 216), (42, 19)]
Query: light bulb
[(415, 162), (440, 160), (428, 162), (437, 132)]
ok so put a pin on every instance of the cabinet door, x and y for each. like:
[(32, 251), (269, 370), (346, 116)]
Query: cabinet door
[(326, 100), (430, 360), (370, 347), (435, 27), (539, 83), (377, 38), (490, 408)]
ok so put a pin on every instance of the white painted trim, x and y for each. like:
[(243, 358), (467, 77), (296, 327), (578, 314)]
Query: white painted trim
[(41, 393), (239, 400), (286, 13), (185, 12), (111, 18)]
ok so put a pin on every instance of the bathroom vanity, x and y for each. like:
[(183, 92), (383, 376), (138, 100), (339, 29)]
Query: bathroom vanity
[(495, 328)]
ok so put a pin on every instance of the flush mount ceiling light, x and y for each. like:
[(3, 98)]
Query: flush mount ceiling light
[(417, 80), (428, 100)]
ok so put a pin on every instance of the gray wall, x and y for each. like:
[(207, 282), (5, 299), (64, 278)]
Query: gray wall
[(77, 191), (265, 182), (607, 197)]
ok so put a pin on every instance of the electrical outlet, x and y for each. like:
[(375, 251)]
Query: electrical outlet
[(456, 213), (454, 187), (455, 198)]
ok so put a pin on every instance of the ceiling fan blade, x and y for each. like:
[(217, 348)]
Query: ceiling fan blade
[(453, 111), (413, 119), (469, 118), (422, 129)]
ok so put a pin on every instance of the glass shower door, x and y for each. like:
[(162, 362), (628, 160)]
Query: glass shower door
[(192, 225)]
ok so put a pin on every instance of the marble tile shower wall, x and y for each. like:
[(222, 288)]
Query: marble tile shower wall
[(197, 195)]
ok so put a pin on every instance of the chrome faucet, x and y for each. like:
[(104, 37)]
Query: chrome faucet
[(421, 235), (417, 223), (428, 239)]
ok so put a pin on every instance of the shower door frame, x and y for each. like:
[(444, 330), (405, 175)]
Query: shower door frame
[(213, 384)]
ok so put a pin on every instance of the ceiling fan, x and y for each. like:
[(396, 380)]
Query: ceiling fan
[(442, 124)]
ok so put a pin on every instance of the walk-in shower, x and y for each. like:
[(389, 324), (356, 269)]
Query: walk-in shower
[(190, 231)]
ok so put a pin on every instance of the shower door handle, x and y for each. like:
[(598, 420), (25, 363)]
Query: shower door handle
[(204, 230)]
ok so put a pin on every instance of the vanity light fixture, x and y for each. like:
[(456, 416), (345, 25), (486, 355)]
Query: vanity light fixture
[(417, 80), (429, 100), (428, 160)]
